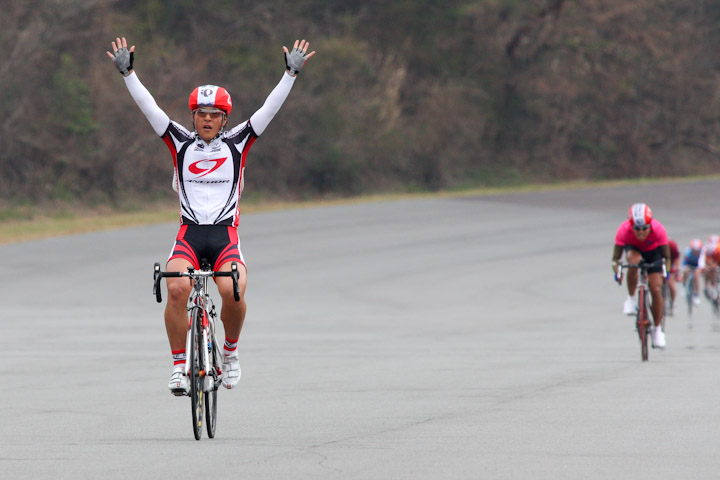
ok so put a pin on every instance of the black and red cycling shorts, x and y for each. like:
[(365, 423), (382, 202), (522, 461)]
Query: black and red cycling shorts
[(650, 256), (218, 244)]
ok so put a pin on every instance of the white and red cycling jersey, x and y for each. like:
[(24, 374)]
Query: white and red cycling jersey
[(210, 176)]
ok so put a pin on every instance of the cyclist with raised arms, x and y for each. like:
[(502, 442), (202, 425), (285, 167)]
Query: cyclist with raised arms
[(642, 237), (209, 167)]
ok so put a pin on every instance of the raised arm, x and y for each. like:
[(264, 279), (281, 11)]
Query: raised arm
[(261, 119), (294, 61), (123, 59)]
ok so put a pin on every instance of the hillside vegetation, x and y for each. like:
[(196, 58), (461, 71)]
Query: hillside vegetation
[(402, 96)]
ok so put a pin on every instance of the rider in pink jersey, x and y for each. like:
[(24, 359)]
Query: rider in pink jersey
[(643, 238), (209, 167), (656, 237)]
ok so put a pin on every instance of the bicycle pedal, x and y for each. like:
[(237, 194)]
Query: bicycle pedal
[(179, 393)]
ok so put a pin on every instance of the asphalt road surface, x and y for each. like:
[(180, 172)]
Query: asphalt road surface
[(459, 338)]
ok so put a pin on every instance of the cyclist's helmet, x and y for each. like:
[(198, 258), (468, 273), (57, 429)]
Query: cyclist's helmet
[(210, 96), (713, 239), (696, 244), (640, 215)]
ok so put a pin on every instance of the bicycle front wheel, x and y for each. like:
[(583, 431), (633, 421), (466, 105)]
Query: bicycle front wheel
[(689, 294), (643, 324), (211, 394), (195, 375)]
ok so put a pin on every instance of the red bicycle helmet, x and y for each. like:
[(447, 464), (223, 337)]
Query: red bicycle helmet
[(210, 96), (640, 215)]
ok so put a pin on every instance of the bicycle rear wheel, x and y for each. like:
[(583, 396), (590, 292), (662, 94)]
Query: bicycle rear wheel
[(195, 378), (211, 395), (642, 323)]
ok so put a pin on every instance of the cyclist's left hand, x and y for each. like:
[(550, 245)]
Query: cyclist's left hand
[(295, 59)]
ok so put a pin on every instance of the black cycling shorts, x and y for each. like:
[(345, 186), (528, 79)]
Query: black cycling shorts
[(218, 244), (649, 257)]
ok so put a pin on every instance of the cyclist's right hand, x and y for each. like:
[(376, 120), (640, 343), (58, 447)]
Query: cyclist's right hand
[(617, 273)]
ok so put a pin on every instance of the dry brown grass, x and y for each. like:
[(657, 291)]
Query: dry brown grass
[(69, 221)]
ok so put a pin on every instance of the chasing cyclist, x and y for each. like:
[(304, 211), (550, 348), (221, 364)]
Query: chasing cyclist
[(712, 261), (691, 264), (209, 166), (673, 274), (708, 264), (643, 238)]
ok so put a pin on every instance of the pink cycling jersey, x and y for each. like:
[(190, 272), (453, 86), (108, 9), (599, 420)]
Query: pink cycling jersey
[(656, 237)]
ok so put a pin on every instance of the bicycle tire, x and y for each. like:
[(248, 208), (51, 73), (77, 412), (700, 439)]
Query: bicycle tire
[(666, 303), (196, 380), (642, 324), (690, 292), (211, 396)]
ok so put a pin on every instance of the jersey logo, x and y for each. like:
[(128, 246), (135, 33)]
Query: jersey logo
[(198, 170)]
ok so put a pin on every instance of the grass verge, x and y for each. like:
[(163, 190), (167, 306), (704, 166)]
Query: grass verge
[(30, 223)]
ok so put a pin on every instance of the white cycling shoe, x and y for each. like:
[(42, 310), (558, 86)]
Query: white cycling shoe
[(658, 337), (630, 306), (179, 384), (231, 371)]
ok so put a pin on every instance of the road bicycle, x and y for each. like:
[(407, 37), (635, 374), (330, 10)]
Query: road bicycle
[(667, 301), (643, 320), (690, 289), (204, 365)]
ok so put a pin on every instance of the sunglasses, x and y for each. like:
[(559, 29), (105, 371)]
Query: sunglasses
[(640, 228), (214, 112)]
